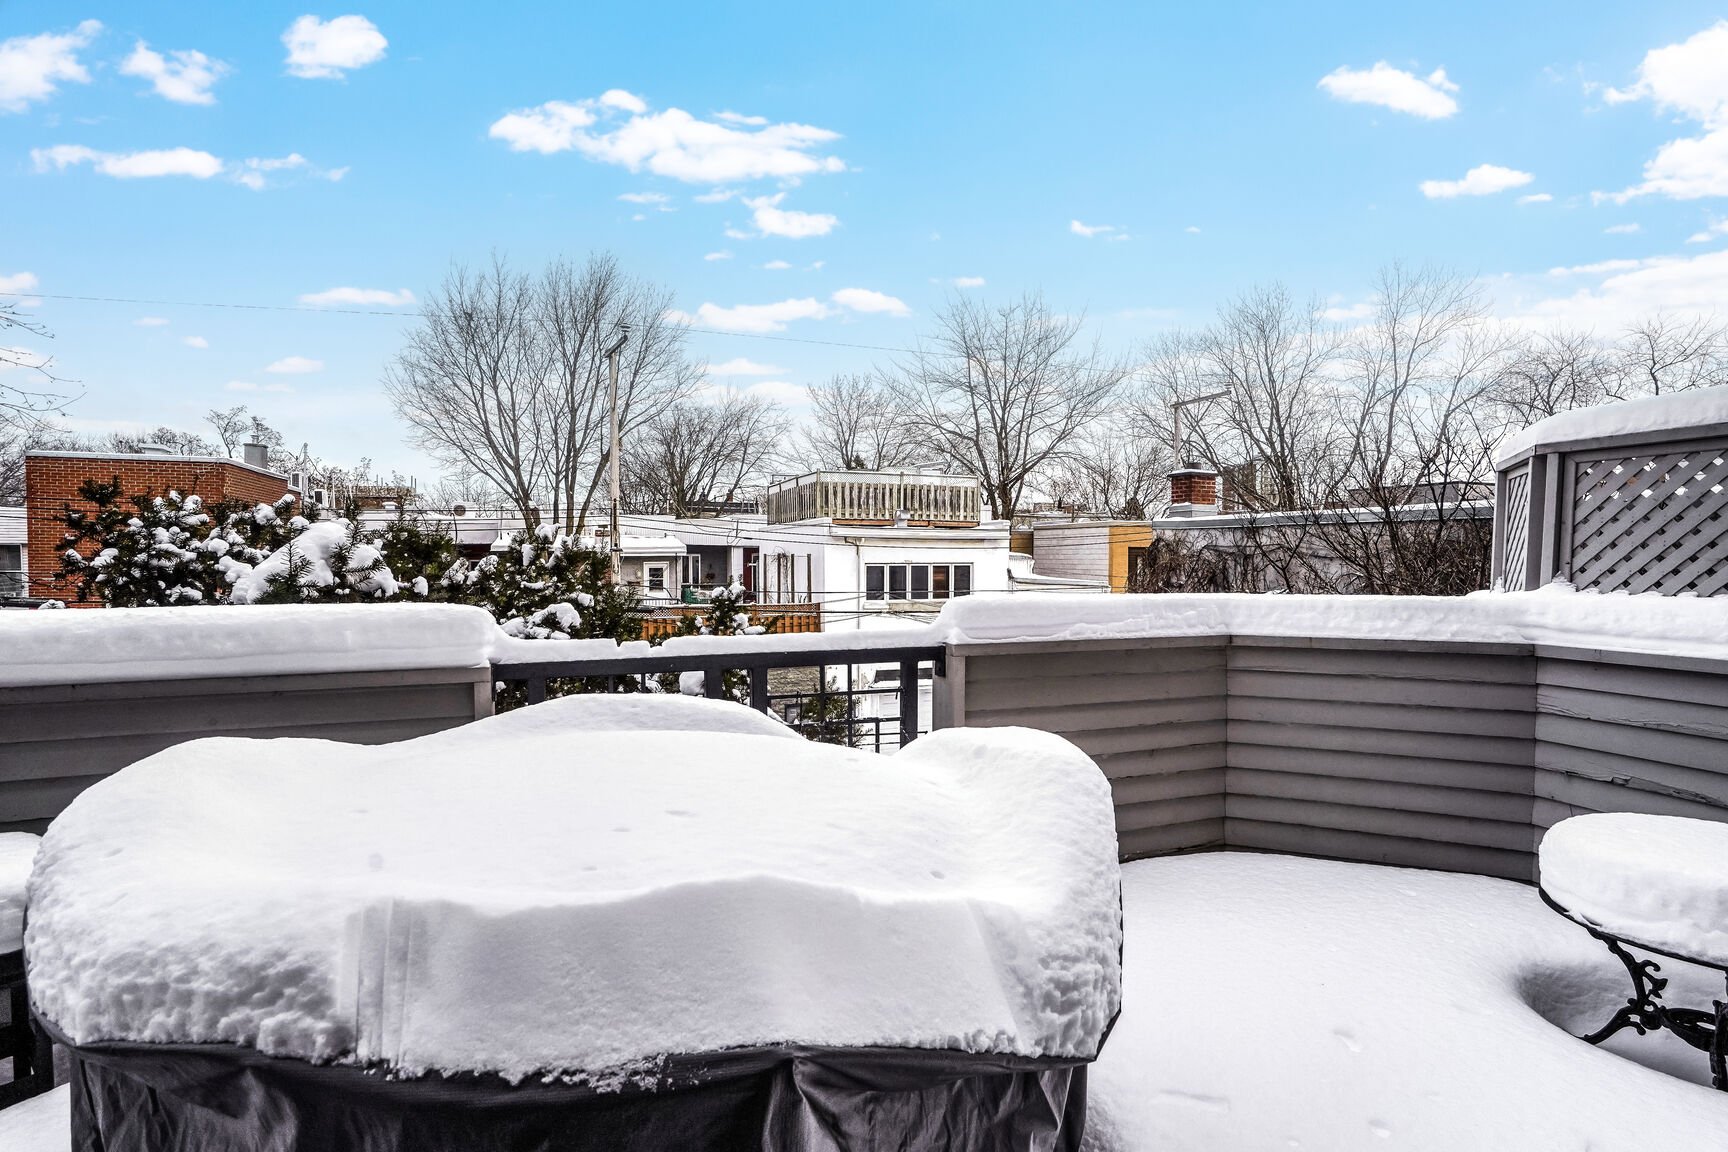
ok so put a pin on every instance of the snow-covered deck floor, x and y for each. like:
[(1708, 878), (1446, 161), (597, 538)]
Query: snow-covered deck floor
[(1272, 1002), (1276, 1003)]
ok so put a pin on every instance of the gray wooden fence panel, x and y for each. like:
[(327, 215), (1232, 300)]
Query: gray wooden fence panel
[(57, 740), (1450, 756)]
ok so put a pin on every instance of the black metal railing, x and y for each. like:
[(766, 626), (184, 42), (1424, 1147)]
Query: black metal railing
[(861, 697)]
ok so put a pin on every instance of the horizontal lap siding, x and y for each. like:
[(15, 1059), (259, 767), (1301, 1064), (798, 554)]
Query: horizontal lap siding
[(1630, 738), (1422, 758), (1449, 756), (1153, 718), (56, 741)]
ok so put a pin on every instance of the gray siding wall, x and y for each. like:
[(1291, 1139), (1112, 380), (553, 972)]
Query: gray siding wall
[(56, 741), (1449, 756)]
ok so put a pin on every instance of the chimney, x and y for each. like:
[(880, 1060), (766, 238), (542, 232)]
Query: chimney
[(153, 449), (256, 455), (1193, 492)]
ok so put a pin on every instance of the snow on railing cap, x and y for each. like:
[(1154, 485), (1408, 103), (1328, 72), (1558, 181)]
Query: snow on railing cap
[(1673, 412), (182, 643)]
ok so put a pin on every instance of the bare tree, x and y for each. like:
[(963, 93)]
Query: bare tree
[(856, 422), (1668, 353), (472, 381), (696, 457), (32, 395), (582, 309), (502, 381), (1555, 371), (1275, 362), (1119, 471), (1003, 392)]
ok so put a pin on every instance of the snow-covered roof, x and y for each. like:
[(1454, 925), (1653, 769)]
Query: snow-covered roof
[(543, 909), (651, 545), (1640, 418)]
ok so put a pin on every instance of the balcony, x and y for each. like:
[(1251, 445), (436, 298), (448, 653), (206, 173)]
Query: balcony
[(916, 498)]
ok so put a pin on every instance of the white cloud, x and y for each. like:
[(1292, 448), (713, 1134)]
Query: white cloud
[(295, 366), (329, 49), (1598, 268), (31, 66), (742, 366), (17, 283), (150, 321), (1626, 291), (129, 165), (1394, 88), (738, 234), (866, 300), (1689, 79), (619, 128), (776, 266), (720, 255), (1622, 229), (195, 342), (400, 298), (248, 386), (775, 317), (754, 317), (645, 198), (1482, 180), (779, 391), (254, 172), (737, 118), (1339, 313), (1090, 230), (1536, 198), (1714, 230), (184, 76), (718, 196), (772, 220), (1192, 230), (968, 281)]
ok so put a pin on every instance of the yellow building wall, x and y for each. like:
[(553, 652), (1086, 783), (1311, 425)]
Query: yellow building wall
[(1122, 538)]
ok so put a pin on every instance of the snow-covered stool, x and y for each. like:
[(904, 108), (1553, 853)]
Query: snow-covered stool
[(32, 1054), (598, 923), (1657, 884)]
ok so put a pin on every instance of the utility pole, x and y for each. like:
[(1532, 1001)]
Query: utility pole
[(612, 368), (1176, 423)]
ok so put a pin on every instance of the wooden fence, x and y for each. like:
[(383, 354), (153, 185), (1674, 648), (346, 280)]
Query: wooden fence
[(1621, 514), (1439, 755)]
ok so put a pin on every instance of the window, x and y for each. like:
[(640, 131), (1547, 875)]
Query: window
[(11, 569), (916, 581), (656, 577)]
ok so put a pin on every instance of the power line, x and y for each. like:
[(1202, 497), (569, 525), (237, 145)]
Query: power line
[(410, 316)]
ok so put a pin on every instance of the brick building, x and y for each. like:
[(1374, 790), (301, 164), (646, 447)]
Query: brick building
[(52, 480)]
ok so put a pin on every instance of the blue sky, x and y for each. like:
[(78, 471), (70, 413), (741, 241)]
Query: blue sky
[(945, 148)]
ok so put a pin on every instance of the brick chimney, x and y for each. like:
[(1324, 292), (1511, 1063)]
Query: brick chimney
[(1193, 492)]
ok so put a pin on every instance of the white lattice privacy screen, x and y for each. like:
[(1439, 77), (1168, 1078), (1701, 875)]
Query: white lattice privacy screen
[(1634, 512)]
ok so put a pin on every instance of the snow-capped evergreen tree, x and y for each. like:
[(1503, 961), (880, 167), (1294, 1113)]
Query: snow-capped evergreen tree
[(149, 556)]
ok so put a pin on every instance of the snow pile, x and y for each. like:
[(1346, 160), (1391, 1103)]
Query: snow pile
[(581, 900), (637, 712), (1693, 626), (17, 853), (1659, 880), (188, 642), (1675, 411), (1275, 1003)]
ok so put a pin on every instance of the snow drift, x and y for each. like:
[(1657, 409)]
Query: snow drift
[(522, 896)]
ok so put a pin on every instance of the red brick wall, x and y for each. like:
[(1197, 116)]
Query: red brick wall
[(52, 482), (1193, 487)]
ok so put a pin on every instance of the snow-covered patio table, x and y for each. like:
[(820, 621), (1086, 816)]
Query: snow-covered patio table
[(598, 923), (1657, 884)]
